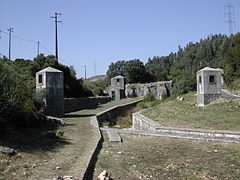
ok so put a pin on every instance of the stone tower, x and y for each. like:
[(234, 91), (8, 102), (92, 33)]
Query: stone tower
[(117, 88), (209, 85), (49, 82)]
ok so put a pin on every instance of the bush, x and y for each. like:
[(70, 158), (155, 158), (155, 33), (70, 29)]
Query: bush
[(141, 105), (149, 97), (164, 96), (14, 92), (183, 85)]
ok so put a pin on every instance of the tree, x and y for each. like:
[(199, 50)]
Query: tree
[(159, 67), (134, 71), (232, 62), (14, 92)]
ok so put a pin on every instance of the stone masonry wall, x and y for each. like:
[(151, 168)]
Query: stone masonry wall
[(157, 88), (145, 125), (111, 114), (74, 104)]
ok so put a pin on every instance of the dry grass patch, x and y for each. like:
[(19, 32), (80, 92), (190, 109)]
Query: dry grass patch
[(161, 158), (223, 114)]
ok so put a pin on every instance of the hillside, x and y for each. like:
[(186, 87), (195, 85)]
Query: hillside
[(97, 78)]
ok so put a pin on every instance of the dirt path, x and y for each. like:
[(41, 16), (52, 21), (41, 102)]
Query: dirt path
[(71, 159), (65, 157)]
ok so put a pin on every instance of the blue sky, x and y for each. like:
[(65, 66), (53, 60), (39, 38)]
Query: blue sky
[(104, 31)]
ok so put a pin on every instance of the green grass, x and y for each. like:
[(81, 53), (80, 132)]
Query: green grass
[(152, 158), (223, 114)]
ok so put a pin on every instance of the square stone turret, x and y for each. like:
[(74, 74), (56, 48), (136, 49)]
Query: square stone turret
[(209, 85), (117, 88), (49, 85)]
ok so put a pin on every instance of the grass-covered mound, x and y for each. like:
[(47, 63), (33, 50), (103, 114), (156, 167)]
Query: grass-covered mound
[(223, 114)]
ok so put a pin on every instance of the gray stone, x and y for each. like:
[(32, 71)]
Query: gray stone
[(7, 151), (157, 88), (112, 134), (60, 133), (58, 178), (56, 120), (180, 98), (49, 88), (67, 177)]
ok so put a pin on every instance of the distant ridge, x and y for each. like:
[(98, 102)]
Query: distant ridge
[(97, 78)]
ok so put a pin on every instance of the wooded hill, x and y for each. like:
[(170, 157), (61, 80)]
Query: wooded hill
[(216, 51)]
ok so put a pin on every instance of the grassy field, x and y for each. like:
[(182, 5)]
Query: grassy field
[(223, 114), (165, 158), (38, 157)]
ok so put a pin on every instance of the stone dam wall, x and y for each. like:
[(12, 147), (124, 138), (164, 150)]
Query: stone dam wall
[(75, 104)]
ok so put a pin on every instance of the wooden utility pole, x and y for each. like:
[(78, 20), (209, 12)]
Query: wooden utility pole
[(10, 38), (56, 34), (38, 43)]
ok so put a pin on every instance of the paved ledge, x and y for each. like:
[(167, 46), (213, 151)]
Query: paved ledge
[(112, 134), (146, 126)]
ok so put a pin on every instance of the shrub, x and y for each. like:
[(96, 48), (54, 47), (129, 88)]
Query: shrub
[(14, 92), (183, 85), (149, 97), (164, 96), (141, 105)]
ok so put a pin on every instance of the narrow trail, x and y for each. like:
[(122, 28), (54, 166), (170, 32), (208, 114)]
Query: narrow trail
[(71, 159)]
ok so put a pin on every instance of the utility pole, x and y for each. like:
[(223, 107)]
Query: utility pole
[(95, 68), (56, 37), (85, 72), (230, 18), (38, 43), (10, 37)]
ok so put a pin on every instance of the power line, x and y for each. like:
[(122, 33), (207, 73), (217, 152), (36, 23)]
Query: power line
[(230, 18), (45, 48), (17, 37), (33, 41), (56, 37)]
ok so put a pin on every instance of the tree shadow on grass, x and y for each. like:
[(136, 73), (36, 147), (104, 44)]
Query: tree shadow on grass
[(92, 106), (30, 140), (78, 115)]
